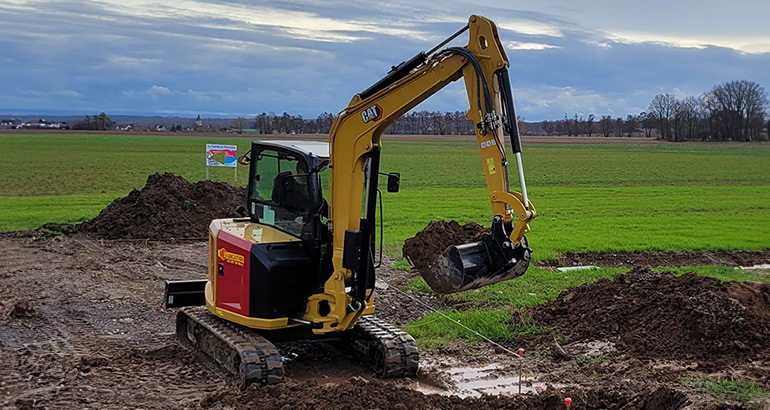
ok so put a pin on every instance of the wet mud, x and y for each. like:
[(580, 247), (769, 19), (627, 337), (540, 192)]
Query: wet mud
[(83, 327)]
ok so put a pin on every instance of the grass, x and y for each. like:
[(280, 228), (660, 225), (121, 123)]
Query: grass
[(728, 388), (491, 307), (24, 212), (656, 218), (588, 361), (438, 328), (589, 199), (533, 288)]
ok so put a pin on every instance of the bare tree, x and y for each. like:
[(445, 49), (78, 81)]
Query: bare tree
[(632, 122), (619, 125), (738, 108), (662, 109), (240, 124), (590, 125), (578, 124), (523, 127), (549, 127), (605, 125)]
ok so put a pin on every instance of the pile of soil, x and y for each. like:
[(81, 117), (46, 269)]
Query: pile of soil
[(167, 207), (678, 258), (650, 315), (358, 393), (426, 246)]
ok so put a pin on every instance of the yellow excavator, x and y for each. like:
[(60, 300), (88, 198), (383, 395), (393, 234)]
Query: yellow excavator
[(298, 266)]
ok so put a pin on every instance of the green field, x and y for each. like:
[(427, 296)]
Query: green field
[(589, 198)]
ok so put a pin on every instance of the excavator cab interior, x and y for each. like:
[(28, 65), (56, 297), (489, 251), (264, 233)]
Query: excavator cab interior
[(285, 187)]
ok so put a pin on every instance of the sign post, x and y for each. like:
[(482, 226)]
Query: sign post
[(218, 155)]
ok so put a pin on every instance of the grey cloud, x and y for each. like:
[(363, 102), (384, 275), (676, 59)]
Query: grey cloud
[(86, 56)]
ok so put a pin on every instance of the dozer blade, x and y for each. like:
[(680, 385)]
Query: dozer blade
[(469, 266)]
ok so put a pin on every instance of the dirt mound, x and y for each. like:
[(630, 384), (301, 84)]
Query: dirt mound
[(358, 393), (428, 244), (678, 258), (168, 206), (651, 315)]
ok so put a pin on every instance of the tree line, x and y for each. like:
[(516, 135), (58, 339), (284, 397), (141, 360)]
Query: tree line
[(415, 122), (100, 122), (734, 110), (731, 111)]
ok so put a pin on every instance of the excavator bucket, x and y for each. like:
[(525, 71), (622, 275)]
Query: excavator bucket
[(491, 260)]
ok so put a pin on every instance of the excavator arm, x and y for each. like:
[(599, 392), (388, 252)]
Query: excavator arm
[(354, 168)]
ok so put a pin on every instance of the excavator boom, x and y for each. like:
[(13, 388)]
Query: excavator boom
[(355, 142)]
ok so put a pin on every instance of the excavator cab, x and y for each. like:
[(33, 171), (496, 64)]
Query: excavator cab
[(285, 185)]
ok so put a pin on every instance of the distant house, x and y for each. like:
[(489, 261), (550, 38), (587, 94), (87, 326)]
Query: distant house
[(41, 124), (9, 123)]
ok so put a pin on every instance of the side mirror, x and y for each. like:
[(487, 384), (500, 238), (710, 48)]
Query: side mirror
[(394, 181), (240, 210), (244, 159)]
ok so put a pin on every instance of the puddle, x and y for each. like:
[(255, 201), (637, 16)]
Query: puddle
[(475, 381), (444, 376)]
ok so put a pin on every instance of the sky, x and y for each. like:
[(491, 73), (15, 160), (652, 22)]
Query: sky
[(242, 57)]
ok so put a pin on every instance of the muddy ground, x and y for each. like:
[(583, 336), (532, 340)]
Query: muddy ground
[(678, 258), (82, 326)]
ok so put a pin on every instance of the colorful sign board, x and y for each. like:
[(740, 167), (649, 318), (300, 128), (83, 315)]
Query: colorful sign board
[(218, 155)]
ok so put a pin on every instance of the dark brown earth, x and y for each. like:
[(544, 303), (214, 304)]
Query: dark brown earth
[(660, 316), (679, 258), (82, 326), (168, 206), (358, 393), (426, 246)]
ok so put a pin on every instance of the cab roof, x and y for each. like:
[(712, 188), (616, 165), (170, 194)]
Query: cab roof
[(315, 148)]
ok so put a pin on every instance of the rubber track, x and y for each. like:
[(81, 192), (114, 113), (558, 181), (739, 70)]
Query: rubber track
[(398, 348), (243, 353)]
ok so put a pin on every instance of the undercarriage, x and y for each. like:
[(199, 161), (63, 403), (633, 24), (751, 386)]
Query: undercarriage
[(250, 358)]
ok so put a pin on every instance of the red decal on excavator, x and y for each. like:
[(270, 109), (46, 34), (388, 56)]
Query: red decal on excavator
[(230, 257), (233, 273)]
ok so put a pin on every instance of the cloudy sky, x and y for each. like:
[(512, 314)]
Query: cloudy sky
[(243, 57)]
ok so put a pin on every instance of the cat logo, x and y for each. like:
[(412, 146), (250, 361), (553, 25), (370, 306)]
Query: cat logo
[(230, 257), (372, 113)]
